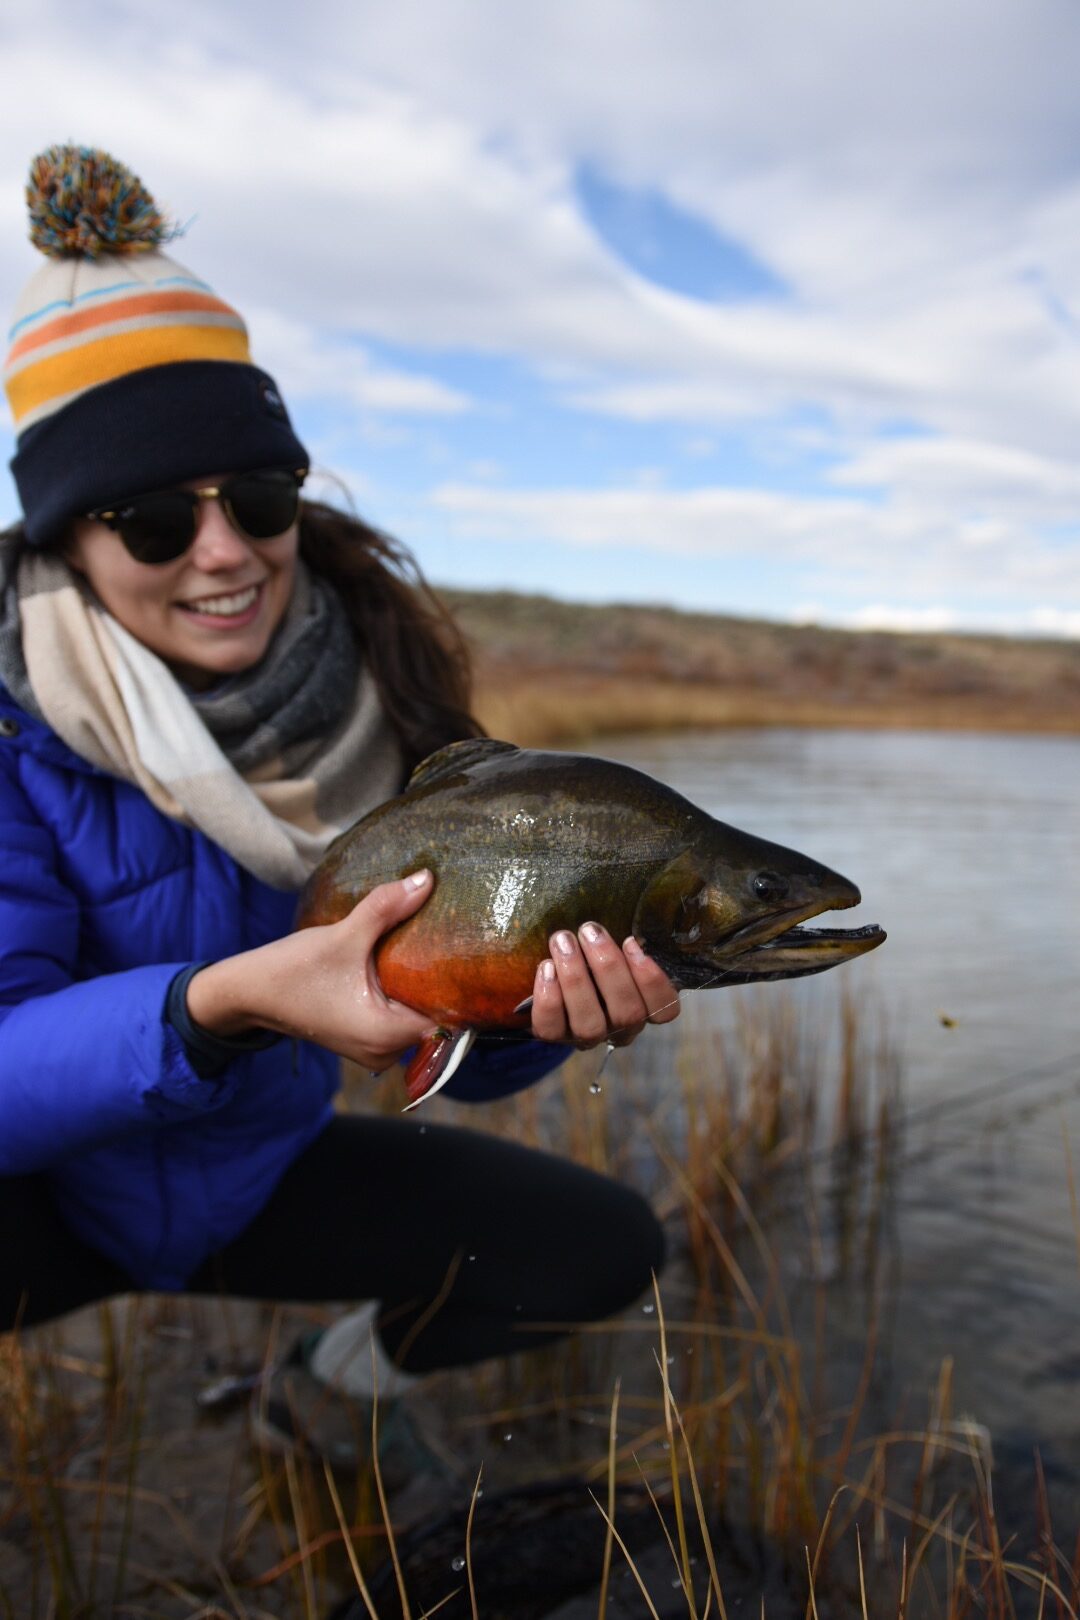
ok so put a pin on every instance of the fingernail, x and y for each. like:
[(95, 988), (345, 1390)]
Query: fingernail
[(592, 933), (416, 880), (547, 971), (564, 943), (632, 948)]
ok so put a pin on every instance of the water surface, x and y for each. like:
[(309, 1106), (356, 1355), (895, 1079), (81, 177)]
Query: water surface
[(967, 851)]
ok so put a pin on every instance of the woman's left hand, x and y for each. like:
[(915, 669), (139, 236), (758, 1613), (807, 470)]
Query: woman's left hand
[(592, 990)]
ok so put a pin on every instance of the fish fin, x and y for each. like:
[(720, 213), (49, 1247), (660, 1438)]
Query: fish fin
[(436, 1060), (524, 1006), (457, 756)]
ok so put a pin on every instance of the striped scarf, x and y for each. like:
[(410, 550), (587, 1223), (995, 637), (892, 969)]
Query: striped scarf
[(271, 765)]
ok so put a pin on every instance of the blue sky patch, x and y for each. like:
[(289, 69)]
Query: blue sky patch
[(670, 246)]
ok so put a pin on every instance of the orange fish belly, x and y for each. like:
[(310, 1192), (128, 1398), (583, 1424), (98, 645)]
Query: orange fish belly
[(477, 992)]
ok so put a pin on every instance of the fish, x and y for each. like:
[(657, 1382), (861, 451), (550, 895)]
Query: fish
[(522, 842)]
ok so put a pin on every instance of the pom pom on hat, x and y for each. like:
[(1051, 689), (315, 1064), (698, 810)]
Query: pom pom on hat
[(84, 203)]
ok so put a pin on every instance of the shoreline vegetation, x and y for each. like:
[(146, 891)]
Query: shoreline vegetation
[(549, 671)]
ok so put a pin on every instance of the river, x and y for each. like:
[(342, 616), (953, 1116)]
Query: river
[(967, 851)]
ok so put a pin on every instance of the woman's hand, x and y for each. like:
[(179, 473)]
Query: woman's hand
[(320, 984), (591, 990)]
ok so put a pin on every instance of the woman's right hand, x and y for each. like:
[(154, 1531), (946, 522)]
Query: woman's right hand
[(320, 984)]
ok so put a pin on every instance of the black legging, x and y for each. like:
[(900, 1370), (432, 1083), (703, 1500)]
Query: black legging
[(465, 1239)]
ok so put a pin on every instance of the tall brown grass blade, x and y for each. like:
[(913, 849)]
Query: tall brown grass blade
[(659, 1514), (822, 1541), (443, 1601), (319, 1543), (901, 1607), (468, 1545), (381, 1490), (1042, 1601), (812, 1599), (862, 1574), (1050, 1554), (843, 1451), (649, 1604), (673, 1455), (432, 1310), (722, 1246), (704, 1525), (761, 1243), (350, 1550), (928, 1536), (609, 1540), (299, 1520)]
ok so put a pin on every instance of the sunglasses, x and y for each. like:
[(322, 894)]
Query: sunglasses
[(159, 528)]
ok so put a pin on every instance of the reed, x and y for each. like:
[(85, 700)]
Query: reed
[(732, 1396)]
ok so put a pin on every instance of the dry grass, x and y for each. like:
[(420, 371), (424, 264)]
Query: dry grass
[(740, 1401), (570, 706), (550, 671)]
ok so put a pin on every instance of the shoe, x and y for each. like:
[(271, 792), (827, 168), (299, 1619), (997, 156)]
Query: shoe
[(292, 1412)]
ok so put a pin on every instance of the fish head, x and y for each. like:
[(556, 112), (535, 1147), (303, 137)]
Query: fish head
[(729, 910)]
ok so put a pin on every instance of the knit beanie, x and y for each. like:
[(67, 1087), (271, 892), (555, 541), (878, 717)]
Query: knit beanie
[(126, 373)]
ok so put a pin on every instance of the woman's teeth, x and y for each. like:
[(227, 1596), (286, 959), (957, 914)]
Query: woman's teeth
[(225, 607)]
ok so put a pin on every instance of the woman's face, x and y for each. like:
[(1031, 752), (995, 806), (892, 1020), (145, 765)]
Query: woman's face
[(209, 614)]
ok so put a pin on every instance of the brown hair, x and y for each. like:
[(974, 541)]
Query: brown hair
[(413, 648)]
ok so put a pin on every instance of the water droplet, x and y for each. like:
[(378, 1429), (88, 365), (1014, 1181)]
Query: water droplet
[(457, 1563), (423, 1130), (472, 1257), (671, 1361), (647, 1310), (596, 1088), (517, 1307), (479, 1492), (676, 1583), (508, 1436)]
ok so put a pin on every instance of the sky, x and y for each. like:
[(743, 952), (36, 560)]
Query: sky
[(751, 306)]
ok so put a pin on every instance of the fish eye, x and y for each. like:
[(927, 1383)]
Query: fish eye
[(769, 886)]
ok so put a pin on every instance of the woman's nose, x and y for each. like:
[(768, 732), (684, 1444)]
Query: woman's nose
[(217, 545)]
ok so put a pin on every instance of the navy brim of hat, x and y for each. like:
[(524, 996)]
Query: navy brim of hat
[(149, 430)]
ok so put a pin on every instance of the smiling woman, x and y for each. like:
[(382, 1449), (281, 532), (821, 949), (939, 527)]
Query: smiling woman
[(203, 681)]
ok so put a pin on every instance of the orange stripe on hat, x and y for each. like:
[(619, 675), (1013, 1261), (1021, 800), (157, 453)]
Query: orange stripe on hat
[(118, 309), (99, 361)]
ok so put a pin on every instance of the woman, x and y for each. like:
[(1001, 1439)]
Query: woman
[(202, 680)]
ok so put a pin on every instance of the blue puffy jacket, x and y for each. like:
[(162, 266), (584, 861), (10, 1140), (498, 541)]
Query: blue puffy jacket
[(102, 901)]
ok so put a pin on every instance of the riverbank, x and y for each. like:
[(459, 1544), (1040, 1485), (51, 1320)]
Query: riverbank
[(551, 671)]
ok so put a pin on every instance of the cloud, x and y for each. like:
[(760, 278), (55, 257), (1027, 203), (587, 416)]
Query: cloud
[(401, 178), (852, 551), (328, 367)]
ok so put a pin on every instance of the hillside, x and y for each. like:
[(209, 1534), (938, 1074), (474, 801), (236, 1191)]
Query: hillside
[(549, 670)]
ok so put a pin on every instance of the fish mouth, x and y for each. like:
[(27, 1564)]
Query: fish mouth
[(779, 947), (768, 930), (794, 951)]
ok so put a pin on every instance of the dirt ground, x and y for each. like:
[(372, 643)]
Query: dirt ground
[(120, 1496)]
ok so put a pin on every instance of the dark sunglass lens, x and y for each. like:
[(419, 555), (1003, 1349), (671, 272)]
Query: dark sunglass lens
[(263, 504), (158, 528)]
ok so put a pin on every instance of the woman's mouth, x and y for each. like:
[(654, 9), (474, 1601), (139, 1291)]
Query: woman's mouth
[(230, 610)]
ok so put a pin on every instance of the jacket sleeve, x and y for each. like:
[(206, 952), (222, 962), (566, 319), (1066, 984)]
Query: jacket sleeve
[(80, 1061)]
